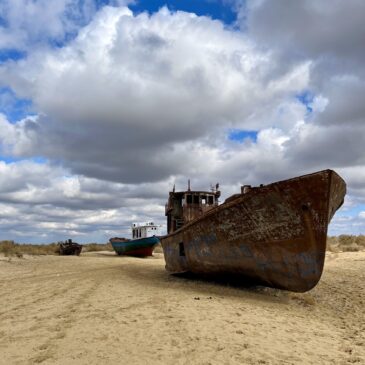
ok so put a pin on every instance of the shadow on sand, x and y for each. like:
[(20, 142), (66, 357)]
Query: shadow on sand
[(219, 286)]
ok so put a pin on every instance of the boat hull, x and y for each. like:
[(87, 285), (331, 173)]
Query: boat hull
[(274, 235), (139, 247)]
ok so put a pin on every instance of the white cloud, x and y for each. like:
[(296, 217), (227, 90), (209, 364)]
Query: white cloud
[(26, 24), (53, 205), (123, 99), (32, 21)]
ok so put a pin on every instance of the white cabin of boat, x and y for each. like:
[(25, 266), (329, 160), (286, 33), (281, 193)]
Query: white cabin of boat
[(144, 230)]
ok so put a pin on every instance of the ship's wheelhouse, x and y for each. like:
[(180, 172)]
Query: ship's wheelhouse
[(144, 230), (183, 207)]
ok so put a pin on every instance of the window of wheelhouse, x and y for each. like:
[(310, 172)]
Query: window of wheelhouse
[(196, 199), (210, 200), (189, 199)]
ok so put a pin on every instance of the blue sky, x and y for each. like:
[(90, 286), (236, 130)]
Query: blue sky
[(238, 135), (306, 97), (216, 9), (102, 111), (12, 106), (11, 54)]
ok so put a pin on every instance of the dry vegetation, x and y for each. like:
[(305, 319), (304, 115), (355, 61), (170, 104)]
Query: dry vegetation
[(10, 248), (92, 247), (342, 243), (346, 243)]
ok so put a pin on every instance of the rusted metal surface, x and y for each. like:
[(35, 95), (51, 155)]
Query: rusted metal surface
[(183, 207), (274, 235), (69, 248)]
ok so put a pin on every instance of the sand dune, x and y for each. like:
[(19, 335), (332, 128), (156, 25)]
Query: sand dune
[(103, 309)]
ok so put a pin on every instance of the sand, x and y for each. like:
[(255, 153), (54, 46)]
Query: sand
[(104, 309)]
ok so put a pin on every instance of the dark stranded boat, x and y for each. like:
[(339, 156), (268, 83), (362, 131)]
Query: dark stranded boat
[(273, 235), (70, 248)]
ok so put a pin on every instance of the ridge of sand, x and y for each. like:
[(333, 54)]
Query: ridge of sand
[(104, 309)]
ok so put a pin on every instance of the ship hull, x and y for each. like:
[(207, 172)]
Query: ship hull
[(274, 235), (139, 247)]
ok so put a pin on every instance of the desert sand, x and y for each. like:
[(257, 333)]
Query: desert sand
[(104, 309)]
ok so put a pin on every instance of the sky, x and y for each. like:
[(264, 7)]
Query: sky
[(106, 104)]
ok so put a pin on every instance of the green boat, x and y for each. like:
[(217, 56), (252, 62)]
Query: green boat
[(142, 244)]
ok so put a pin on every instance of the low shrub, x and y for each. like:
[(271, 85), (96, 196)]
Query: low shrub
[(94, 247), (10, 248), (360, 241), (346, 243)]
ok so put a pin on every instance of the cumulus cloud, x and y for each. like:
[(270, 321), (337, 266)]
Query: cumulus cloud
[(25, 24), (52, 204), (309, 28), (329, 34), (124, 100)]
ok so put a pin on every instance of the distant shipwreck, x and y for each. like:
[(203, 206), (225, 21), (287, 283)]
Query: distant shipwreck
[(144, 240), (70, 248), (273, 235)]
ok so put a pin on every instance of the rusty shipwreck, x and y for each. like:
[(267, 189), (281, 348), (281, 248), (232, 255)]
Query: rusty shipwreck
[(69, 248), (273, 235)]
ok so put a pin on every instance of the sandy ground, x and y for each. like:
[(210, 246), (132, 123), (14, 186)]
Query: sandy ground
[(103, 309)]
